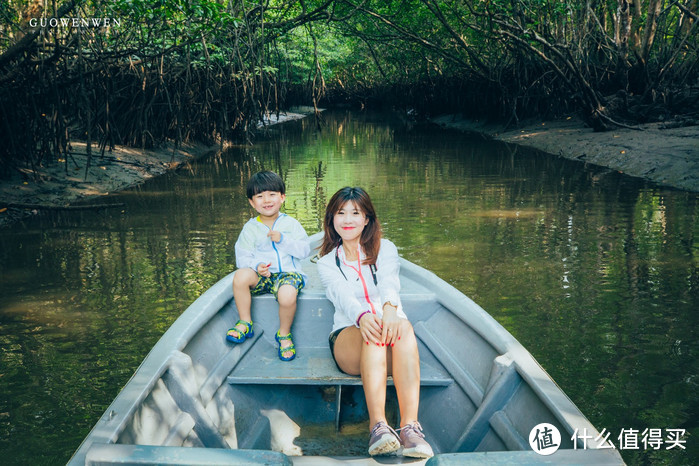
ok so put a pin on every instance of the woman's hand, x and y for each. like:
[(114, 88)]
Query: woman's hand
[(370, 328), (393, 326)]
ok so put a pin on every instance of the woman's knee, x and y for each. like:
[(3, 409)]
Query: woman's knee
[(374, 358), (408, 341)]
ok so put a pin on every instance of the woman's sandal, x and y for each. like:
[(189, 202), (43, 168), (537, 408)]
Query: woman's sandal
[(248, 333), (291, 348)]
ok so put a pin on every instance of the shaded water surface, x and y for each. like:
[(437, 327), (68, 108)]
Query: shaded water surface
[(594, 272)]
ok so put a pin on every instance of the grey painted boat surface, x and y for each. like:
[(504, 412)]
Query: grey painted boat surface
[(198, 399)]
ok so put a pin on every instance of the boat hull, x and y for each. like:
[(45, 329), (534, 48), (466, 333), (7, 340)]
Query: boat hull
[(197, 397)]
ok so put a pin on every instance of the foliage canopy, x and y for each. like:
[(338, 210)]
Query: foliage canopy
[(210, 69)]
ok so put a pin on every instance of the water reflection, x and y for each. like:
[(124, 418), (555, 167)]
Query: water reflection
[(595, 273)]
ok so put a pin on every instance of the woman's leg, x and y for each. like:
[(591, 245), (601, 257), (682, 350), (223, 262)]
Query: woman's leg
[(405, 364), (374, 371), (347, 350), (405, 368), (355, 357)]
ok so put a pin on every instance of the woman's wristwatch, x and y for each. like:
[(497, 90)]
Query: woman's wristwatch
[(390, 304)]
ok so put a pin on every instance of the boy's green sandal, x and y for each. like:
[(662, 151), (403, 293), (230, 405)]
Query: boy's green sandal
[(289, 348), (240, 336)]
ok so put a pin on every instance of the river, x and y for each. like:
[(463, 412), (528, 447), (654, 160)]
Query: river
[(593, 271)]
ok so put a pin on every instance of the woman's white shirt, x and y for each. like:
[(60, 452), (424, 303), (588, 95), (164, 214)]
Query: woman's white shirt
[(347, 292)]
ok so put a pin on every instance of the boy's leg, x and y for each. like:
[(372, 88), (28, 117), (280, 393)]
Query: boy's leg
[(243, 281), (286, 296)]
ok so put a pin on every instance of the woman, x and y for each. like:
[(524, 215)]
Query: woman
[(371, 334)]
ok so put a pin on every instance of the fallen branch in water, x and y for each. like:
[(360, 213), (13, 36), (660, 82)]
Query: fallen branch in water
[(115, 160)]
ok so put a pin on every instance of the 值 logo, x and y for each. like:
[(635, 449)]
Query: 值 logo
[(545, 439)]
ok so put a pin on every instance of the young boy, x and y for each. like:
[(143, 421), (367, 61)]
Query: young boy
[(267, 254)]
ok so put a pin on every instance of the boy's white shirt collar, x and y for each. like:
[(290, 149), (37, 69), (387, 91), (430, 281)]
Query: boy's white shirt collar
[(259, 219)]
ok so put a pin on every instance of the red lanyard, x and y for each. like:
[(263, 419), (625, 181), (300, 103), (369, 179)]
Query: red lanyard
[(361, 277)]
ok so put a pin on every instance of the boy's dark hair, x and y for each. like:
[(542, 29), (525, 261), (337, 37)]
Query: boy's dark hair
[(265, 181)]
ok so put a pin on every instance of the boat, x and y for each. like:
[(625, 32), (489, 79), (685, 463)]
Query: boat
[(198, 399)]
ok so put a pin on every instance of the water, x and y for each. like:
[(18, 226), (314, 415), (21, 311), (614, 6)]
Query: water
[(594, 272)]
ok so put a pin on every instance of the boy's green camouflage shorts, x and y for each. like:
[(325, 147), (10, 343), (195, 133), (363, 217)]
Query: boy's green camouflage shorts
[(272, 283)]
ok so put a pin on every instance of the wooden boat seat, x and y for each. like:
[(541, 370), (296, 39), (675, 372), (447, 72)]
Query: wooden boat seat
[(314, 366)]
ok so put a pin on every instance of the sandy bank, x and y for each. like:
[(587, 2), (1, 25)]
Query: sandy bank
[(667, 156), (65, 186)]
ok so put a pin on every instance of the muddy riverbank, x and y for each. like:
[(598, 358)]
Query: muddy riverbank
[(665, 155), (658, 152), (69, 185)]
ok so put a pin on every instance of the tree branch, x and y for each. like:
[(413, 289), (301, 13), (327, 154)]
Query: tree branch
[(26, 42)]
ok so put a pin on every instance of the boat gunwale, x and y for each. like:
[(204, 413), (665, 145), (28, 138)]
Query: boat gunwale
[(112, 422), (156, 363), (485, 325)]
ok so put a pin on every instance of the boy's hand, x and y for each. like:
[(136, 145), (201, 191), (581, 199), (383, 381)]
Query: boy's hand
[(263, 269), (276, 236)]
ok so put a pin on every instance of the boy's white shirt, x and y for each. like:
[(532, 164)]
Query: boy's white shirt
[(347, 294), (254, 247)]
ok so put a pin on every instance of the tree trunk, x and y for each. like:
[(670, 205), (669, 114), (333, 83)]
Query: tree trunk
[(651, 26), (622, 42), (636, 25)]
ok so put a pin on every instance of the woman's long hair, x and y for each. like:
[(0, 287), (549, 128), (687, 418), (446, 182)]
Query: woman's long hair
[(371, 235)]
